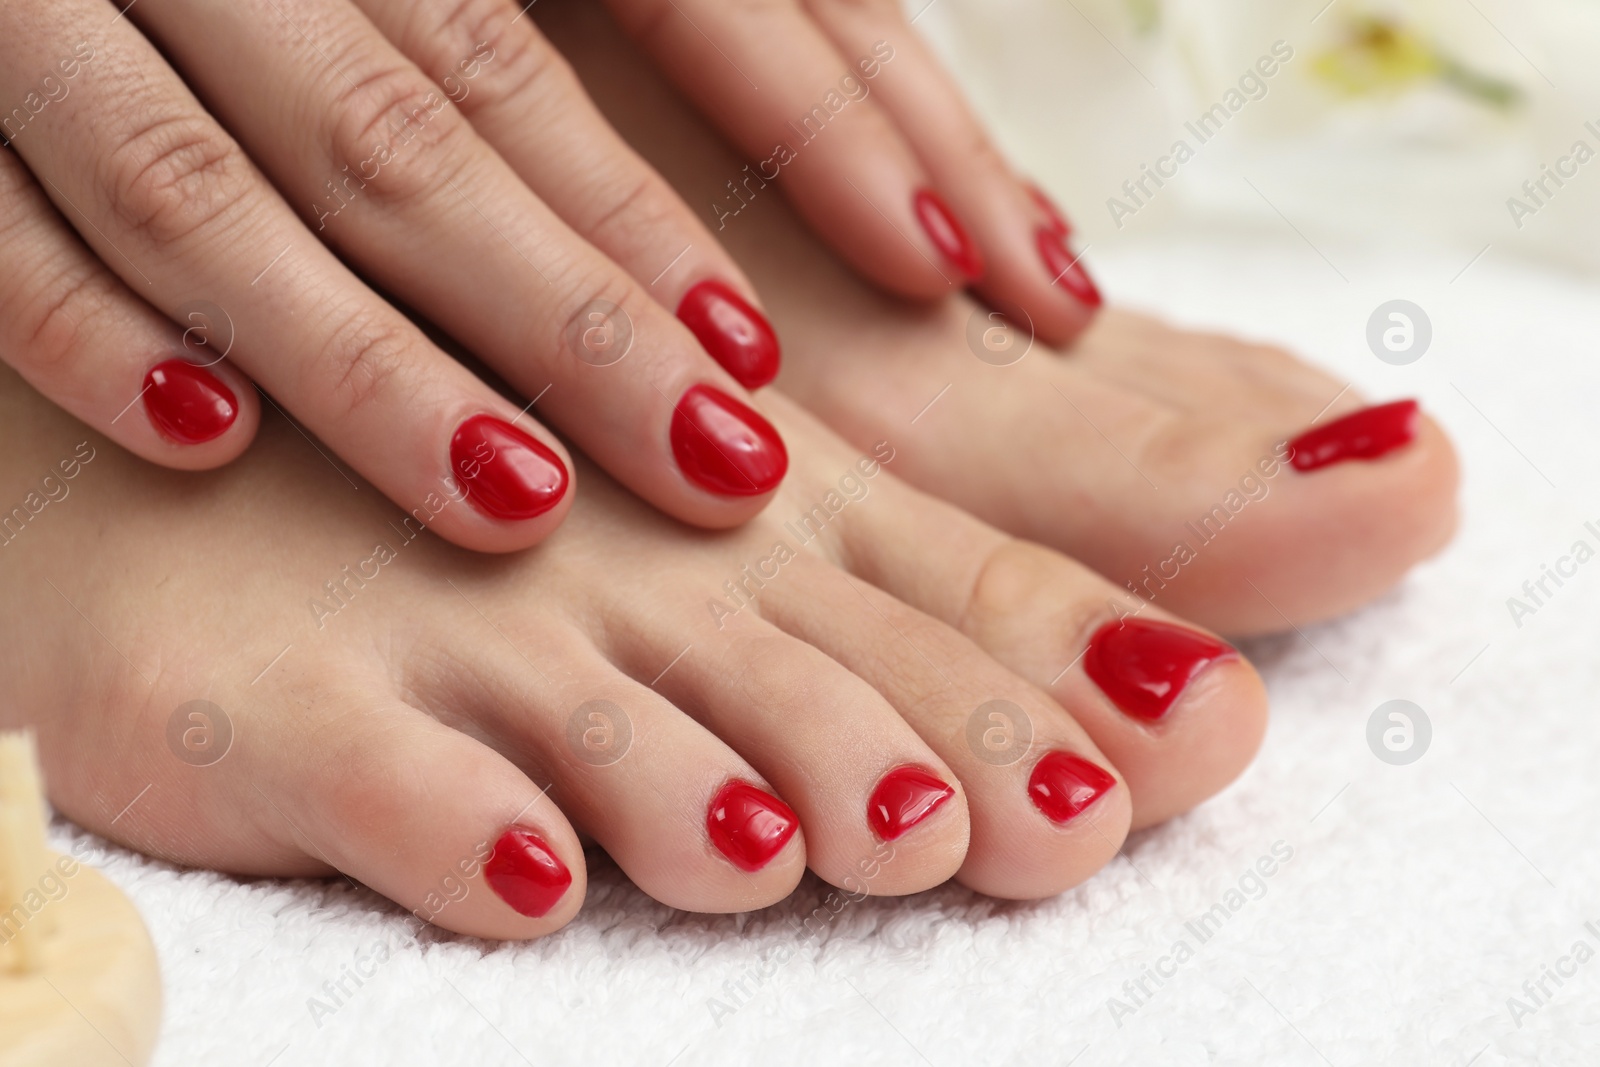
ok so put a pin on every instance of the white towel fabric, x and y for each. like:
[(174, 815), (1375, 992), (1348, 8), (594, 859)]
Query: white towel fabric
[(1415, 900)]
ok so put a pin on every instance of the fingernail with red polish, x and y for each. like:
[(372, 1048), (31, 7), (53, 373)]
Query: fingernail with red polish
[(726, 446), (904, 797), (1365, 434), (1062, 785), (732, 332), (1145, 666), (748, 825), (1066, 269), (1058, 222), (526, 874), (947, 233), (505, 473), (187, 403)]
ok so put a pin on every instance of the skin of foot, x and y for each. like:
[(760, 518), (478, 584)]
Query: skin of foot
[(1157, 456), (269, 669)]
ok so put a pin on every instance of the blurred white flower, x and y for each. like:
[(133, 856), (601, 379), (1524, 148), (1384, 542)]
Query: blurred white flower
[(1395, 121)]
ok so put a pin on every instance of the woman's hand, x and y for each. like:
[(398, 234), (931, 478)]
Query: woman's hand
[(243, 181), (842, 106)]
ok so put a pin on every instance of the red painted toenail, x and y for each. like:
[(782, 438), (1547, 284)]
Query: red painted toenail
[(1066, 269), (904, 797), (526, 874), (735, 334), (187, 403), (725, 446), (505, 473), (1365, 434), (1062, 785), (1057, 221), (947, 234), (749, 826), (1143, 666)]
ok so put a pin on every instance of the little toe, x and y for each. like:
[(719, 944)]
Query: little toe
[(427, 816)]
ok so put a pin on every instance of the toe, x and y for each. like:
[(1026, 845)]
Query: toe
[(1047, 807), (690, 821), (1089, 644), (882, 812), (425, 815)]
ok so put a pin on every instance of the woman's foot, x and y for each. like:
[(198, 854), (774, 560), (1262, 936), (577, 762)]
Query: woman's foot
[(267, 669), (1154, 455)]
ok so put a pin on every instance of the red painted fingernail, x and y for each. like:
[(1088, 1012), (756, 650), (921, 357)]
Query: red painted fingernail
[(1066, 269), (526, 874), (1062, 785), (725, 446), (732, 332), (1144, 666), (947, 233), (1058, 221), (1365, 434), (904, 797), (749, 826), (505, 473), (187, 403)]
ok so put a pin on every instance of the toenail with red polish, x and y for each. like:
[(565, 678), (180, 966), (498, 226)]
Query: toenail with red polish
[(947, 233), (504, 472), (1062, 785), (748, 825), (187, 403), (904, 797), (1365, 434), (1066, 270), (526, 874), (1144, 666), (726, 446), (732, 332), (1057, 221)]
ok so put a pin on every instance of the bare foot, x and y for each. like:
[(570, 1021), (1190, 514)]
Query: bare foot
[(268, 669)]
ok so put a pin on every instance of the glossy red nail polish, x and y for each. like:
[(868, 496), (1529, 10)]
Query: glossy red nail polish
[(748, 825), (904, 797), (1062, 785), (1365, 434), (947, 233), (505, 473), (732, 332), (1066, 269), (187, 403), (526, 874), (726, 446), (1057, 221), (1143, 666)]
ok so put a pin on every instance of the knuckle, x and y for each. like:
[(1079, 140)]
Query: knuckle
[(360, 363), (175, 177), (389, 125), (525, 66), (635, 206), (52, 323), (475, 39)]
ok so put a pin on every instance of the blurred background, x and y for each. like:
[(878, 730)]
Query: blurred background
[(1395, 124)]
